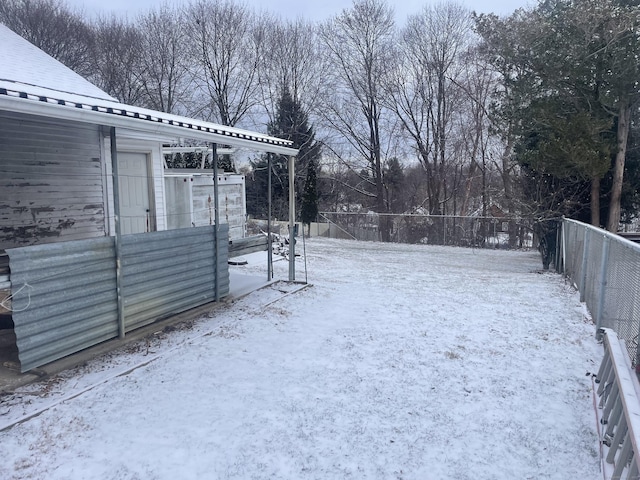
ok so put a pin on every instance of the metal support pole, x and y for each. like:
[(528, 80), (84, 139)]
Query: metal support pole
[(292, 220), (560, 250), (216, 204), (602, 284), (269, 244), (582, 286), (444, 231), (118, 233)]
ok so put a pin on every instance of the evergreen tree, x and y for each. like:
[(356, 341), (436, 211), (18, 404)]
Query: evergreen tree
[(573, 62), (290, 123), (309, 206), (393, 176)]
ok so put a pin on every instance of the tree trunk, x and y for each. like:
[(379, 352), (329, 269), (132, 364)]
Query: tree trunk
[(595, 202), (624, 117)]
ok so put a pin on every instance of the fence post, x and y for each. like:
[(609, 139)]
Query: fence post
[(582, 286), (602, 285), (118, 233), (216, 228), (637, 362), (559, 248), (292, 220), (444, 231)]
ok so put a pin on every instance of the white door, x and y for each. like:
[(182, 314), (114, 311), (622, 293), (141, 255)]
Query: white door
[(135, 214)]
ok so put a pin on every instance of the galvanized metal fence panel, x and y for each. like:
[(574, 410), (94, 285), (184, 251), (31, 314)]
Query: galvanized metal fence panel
[(593, 271), (621, 312), (64, 298), (606, 269), (573, 258), (164, 273)]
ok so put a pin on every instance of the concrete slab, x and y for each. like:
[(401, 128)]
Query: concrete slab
[(11, 378), (241, 284)]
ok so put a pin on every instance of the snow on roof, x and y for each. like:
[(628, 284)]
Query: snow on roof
[(32, 82), (24, 63)]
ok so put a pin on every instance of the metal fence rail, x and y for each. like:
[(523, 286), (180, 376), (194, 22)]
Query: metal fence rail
[(480, 232), (605, 268)]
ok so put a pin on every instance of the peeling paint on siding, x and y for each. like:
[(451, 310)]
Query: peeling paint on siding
[(51, 182)]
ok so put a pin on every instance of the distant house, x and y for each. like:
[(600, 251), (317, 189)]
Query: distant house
[(88, 226)]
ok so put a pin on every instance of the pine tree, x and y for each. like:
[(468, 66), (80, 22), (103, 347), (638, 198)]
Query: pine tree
[(290, 123), (309, 206)]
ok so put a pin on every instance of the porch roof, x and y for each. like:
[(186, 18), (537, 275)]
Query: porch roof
[(41, 101), (34, 83)]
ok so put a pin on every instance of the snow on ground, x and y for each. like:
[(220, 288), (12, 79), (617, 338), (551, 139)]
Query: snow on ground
[(400, 362)]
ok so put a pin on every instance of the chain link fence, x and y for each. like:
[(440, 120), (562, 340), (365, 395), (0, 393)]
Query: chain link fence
[(479, 232), (605, 268)]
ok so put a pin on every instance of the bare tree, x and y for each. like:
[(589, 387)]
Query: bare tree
[(53, 27), (424, 89), (227, 46), (358, 43), (117, 59), (165, 72), (478, 83), (290, 61), (291, 67)]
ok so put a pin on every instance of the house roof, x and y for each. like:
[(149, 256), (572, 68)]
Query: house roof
[(32, 82), (25, 64)]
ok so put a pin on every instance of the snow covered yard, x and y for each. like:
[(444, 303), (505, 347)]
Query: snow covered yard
[(401, 362)]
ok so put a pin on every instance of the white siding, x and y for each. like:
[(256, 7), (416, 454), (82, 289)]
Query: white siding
[(51, 181)]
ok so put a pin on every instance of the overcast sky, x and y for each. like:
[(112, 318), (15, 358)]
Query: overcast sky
[(291, 9)]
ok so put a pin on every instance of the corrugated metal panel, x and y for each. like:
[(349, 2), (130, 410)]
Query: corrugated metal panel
[(164, 273), (51, 183), (223, 260), (65, 293), (64, 298)]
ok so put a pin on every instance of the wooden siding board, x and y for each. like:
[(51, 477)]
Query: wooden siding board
[(53, 163), (9, 192), (51, 181)]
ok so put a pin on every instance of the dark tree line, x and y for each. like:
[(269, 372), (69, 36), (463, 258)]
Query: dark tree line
[(570, 70)]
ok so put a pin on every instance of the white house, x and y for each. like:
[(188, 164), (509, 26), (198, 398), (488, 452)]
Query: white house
[(84, 213)]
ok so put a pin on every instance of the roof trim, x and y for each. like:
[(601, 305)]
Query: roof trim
[(42, 101)]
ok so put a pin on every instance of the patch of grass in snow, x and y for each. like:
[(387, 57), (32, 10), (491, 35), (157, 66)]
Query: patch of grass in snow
[(452, 355)]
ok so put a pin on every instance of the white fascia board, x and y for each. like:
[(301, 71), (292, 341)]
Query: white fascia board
[(163, 131)]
